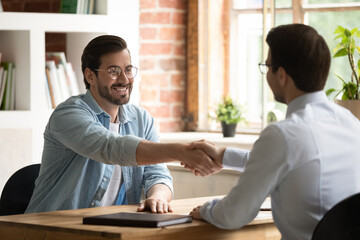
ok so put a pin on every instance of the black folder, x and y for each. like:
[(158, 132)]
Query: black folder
[(151, 220)]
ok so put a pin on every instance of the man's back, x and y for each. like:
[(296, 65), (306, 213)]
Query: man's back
[(323, 160)]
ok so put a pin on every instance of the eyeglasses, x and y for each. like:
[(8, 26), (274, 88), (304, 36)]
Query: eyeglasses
[(264, 67), (115, 72)]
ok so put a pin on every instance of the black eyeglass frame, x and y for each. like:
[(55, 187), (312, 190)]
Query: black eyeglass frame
[(264, 67), (118, 75)]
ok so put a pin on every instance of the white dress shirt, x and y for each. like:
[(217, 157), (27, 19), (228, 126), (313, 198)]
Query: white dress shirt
[(307, 163)]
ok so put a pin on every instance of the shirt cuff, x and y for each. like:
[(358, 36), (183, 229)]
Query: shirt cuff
[(129, 147), (235, 158)]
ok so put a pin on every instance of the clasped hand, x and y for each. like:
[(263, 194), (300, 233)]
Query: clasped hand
[(203, 158)]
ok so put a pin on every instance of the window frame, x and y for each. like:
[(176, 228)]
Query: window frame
[(195, 54)]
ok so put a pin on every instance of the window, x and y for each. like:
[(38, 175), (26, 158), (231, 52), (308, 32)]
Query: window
[(230, 42)]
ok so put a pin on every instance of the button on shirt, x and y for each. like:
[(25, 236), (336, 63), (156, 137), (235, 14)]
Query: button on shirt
[(308, 163), (80, 153)]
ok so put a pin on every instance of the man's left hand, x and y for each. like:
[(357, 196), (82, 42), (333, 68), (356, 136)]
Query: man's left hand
[(158, 200), (195, 213), (155, 206)]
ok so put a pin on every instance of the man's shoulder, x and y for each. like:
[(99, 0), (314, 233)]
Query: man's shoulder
[(288, 128), (74, 100)]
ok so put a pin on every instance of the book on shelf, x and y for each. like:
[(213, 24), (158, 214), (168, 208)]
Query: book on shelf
[(100, 7), (61, 78), (49, 89), (68, 6), (1, 9), (63, 82), (85, 7), (8, 86), (3, 76), (12, 95), (78, 6), (54, 81), (91, 6)]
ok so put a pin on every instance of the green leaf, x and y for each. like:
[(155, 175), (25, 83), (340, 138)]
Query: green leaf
[(349, 91), (338, 46), (330, 91), (342, 52), (339, 36), (341, 79), (357, 33), (354, 31), (339, 29), (347, 32)]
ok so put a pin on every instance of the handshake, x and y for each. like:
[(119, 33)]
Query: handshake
[(202, 158)]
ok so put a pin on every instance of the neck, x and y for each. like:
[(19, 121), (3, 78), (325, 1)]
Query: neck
[(113, 114), (109, 108), (291, 91), (294, 95)]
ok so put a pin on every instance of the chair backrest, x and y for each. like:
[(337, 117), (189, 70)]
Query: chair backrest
[(341, 222), (18, 190)]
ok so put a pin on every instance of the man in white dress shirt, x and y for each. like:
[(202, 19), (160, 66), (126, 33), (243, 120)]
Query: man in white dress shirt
[(308, 162)]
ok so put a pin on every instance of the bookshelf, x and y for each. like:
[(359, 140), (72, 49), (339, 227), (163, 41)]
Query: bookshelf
[(22, 40)]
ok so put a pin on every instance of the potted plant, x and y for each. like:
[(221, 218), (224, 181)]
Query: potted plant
[(229, 113), (350, 91)]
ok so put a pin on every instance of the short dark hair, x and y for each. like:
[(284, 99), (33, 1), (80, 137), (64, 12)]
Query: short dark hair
[(98, 47), (303, 53)]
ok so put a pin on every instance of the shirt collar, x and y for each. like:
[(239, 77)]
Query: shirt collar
[(125, 114), (302, 101)]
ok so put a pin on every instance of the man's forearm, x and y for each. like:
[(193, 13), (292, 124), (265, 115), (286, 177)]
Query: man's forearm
[(152, 153), (196, 159)]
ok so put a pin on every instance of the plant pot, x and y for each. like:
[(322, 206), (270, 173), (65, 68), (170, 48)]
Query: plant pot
[(352, 105), (228, 130)]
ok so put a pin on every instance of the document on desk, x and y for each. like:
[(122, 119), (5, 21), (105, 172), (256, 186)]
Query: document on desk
[(127, 219)]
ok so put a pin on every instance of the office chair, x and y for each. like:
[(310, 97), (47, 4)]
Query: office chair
[(341, 222), (18, 190)]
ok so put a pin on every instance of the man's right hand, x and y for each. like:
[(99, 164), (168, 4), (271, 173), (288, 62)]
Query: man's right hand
[(214, 152), (193, 156), (199, 161)]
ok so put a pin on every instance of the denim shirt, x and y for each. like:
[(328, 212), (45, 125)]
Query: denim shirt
[(80, 153)]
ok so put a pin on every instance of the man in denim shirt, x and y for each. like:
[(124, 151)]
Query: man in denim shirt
[(99, 150)]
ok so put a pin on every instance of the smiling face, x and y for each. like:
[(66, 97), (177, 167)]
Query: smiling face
[(108, 91)]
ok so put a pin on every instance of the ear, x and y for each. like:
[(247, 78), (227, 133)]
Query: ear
[(282, 76), (90, 76)]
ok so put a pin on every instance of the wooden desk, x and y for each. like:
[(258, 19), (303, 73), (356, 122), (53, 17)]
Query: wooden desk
[(67, 225)]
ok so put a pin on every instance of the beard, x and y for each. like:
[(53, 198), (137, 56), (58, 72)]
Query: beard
[(104, 92)]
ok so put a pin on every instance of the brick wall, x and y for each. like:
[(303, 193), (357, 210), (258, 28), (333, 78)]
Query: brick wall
[(163, 62), (162, 55)]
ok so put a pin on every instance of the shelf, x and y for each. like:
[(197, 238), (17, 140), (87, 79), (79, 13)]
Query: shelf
[(16, 119), (23, 41), (53, 22)]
